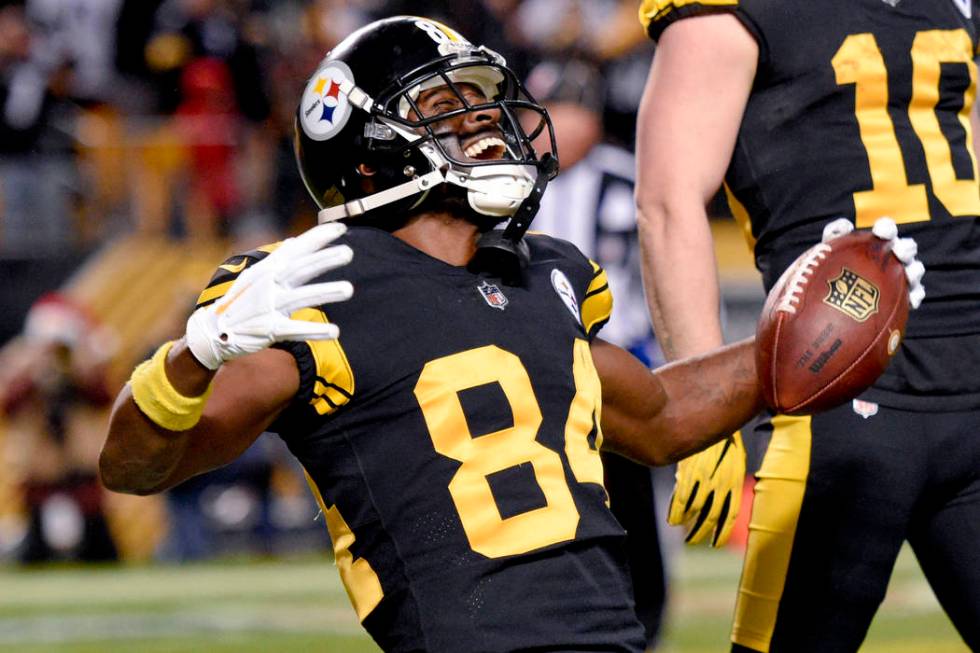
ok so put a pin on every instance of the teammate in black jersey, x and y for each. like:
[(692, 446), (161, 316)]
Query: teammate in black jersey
[(809, 110), (451, 434)]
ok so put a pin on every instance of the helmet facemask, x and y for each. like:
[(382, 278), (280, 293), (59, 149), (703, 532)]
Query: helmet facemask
[(498, 167)]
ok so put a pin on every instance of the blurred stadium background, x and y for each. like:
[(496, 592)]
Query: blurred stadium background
[(141, 141)]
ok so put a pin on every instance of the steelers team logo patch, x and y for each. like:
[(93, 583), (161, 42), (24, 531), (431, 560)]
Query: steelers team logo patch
[(853, 295), (325, 109), (564, 289)]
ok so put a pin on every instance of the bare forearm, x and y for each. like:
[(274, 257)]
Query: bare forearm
[(249, 392), (680, 279), (709, 397), (687, 127), (660, 417), (139, 456)]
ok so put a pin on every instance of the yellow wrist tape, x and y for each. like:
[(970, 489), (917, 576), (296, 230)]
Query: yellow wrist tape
[(159, 400)]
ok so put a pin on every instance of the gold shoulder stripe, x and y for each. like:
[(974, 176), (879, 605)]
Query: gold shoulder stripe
[(227, 272), (598, 301), (214, 292), (653, 12), (334, 385), (599, 283)]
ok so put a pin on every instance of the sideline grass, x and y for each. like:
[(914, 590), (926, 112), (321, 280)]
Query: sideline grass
[(299, 605)]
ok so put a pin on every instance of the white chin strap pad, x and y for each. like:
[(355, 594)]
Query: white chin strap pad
[(498, 190)]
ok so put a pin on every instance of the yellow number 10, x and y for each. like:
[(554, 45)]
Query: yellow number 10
[(859, 61)]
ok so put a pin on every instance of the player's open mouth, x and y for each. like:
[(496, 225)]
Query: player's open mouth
[(486, 149)]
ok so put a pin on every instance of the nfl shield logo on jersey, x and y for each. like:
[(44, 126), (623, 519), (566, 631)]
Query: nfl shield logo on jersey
[(865, 409), (492, 294)]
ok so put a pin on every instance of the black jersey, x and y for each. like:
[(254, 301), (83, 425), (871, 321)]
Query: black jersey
[(452, 436), (881, 128)]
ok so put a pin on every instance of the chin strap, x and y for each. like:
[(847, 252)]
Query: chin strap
[(356, 207), (518, 224), (504, 252)]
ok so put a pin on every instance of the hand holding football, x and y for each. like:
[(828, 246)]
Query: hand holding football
[(831, 323)]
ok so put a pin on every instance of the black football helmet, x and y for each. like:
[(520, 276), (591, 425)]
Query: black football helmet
[(360, 108)]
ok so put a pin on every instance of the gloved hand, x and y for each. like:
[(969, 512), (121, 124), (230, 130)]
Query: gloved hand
[(708, 491), (904, 250), (255, 311)]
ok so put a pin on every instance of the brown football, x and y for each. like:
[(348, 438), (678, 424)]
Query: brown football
[(831, 324)]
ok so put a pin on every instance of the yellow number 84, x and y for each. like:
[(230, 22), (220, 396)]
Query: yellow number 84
[(488, 533)]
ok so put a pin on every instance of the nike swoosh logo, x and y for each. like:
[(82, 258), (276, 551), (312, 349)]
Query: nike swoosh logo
[(235, 269)]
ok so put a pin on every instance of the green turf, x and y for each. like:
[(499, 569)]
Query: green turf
[(298, 605)]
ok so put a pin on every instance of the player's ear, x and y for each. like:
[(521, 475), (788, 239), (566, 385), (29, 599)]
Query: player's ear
[(366, 172)]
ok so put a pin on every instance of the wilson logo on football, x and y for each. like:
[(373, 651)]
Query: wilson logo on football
[(853, 295)]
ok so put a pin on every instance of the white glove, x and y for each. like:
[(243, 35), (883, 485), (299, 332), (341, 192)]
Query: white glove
[(904, 250), (254, 313)]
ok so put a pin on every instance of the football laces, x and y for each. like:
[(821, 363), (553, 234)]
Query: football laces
[(800, 276)]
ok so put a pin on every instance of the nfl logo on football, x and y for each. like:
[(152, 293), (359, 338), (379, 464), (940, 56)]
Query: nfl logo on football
[(492, 294), (853, 295)]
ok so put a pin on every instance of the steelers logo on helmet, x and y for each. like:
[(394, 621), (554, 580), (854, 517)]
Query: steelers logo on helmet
[(325, 109)]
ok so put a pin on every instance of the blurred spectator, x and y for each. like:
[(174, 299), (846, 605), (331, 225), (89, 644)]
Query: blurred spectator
[(37, 172), (133, 31), (77, 37), (602, 31), (80, 33), (625, 77), (208, 510), (491, 22), (207, 122), (300, 35), (53, 396), (185, 30), (203, 63), (598, 29), (590, 203)]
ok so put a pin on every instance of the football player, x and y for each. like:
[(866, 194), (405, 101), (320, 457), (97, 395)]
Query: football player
[(451, 434), (809, 110)]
